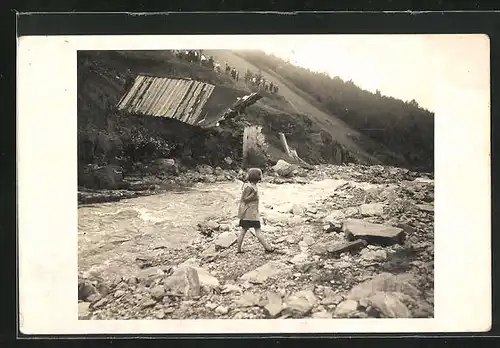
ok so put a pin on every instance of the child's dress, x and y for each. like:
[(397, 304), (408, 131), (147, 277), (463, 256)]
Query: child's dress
[(248, 211)]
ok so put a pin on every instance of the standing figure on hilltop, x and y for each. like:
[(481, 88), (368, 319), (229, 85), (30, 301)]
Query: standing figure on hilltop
[(248, 211)]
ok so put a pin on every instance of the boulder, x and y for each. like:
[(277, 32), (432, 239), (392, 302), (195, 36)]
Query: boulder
[(284, 168), (184, 281), (337, 249), (261, 274), (167, 165), (274, 304), (225, 240), (385, 282), (248, 300), (322, 315), (373, 233), (206, 279), (301, 303), (389, 305), (108, 177), (346, 308), (205, 169)]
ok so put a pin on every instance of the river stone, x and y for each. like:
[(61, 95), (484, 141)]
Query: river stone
[(373, 233), (158, 292), (372, 209), (301, 303), (209, 254), (373, 255), (152, 272), (346, 308), (385, 282), (284, 168), (184, 281), (426, 207), (206, 279), (261, 274), (389, 305), (298, 209), (225, 240), (322, 315), (274, 304), (248, 300), (334, 216), (205, 169), (221, 310), (299, 258)]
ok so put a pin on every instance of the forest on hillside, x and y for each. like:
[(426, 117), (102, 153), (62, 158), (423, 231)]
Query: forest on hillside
[(404, 127)]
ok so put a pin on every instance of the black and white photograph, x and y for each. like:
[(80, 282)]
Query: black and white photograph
[(237, 184), (223, 184)]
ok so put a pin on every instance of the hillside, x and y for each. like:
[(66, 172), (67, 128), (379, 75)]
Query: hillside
[(107, 136), (314, 119), (402, 127)]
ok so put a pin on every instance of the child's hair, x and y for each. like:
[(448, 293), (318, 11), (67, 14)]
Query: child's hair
[(254, 175)]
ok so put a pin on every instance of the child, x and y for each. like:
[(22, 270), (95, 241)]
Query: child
[(248, 211)]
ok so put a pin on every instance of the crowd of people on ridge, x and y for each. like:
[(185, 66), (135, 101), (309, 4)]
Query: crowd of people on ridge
[(251, 79)]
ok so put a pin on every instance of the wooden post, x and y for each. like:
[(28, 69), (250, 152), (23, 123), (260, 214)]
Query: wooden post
[(245, 146), (285, 144)]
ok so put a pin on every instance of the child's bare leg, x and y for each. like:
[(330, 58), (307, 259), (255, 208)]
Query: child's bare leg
[(240, 238), (258, 234)]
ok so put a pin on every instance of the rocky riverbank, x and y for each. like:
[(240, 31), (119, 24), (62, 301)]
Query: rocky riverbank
[(351, 242)]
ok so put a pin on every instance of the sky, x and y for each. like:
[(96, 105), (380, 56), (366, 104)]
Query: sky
[(402, 66)]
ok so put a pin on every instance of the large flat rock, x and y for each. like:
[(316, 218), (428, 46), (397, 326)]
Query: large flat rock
[(373, 233)]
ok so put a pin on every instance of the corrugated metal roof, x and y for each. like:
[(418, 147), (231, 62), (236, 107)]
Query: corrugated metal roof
[(164, 97)]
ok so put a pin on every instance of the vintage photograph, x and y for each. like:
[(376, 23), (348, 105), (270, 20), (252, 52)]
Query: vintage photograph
[(291, 181)]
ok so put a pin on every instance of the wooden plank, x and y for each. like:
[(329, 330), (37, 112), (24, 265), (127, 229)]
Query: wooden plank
[(169, 96), (158, 96), (149, 95), (208, 93), (134, 95), (147, 82), (190, 100), (155, 95), (128, 94)]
